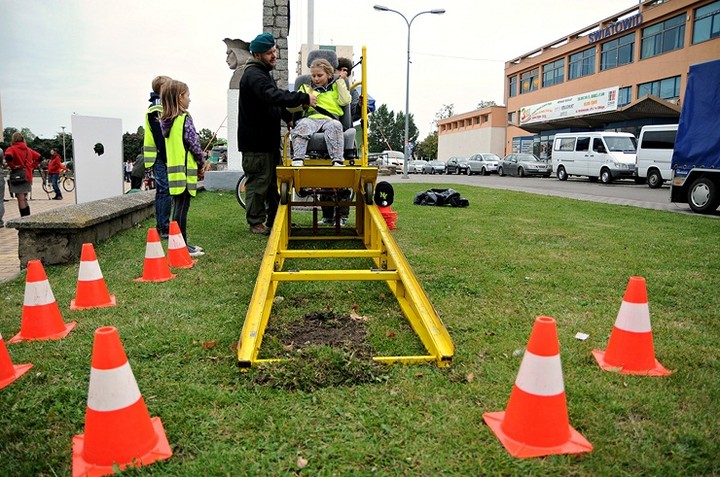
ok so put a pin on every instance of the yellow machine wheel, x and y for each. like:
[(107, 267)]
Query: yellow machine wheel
[(284, 193), (368, 193)]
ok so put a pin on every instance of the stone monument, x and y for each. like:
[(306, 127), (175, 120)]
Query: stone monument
[(238, 52), (276, 20)]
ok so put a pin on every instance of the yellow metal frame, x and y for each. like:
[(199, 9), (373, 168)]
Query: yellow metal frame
[(391, 266)]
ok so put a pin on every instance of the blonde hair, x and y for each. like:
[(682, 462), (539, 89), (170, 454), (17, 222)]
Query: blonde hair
[(170, 98), (17, 137), (324, 65), (158, 82)]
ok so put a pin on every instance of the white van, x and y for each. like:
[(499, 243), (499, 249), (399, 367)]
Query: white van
[(654, 153), (604, 154)]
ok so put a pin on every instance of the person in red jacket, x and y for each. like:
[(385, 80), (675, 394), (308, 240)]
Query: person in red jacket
[(20, 156), (55, 167)]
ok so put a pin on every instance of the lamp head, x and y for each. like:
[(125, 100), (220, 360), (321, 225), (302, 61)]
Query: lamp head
[(381, 8), (438, 11)]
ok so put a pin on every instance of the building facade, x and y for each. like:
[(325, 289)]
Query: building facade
[(465, 134), (619, 74)]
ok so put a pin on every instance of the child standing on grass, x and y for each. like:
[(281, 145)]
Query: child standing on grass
[(332, 94), (184, 153)]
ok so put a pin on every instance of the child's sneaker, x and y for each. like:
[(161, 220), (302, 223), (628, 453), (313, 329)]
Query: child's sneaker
[(195, 251), (338, 164), (297, 163)]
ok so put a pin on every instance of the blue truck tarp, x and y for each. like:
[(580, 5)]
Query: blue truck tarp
[(698, 138)]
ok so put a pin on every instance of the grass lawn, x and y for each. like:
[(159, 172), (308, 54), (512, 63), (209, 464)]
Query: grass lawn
[(489, 270)]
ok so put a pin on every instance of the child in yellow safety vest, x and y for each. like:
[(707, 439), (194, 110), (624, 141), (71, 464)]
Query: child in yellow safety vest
[(332, 94), (184, 153)]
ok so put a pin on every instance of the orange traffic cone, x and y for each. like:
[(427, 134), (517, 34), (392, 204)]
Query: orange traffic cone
[(389, 215), (156, 267), (630, 349), (9, 372), (118, 429), (41, 319), (178, 254), (92, 292), (535, 422)]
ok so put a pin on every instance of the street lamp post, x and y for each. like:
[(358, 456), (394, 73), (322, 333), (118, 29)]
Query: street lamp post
[(64, 157), (436, 11)]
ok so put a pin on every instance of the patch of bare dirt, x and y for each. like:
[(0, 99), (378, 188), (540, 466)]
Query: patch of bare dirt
[(348, 332)]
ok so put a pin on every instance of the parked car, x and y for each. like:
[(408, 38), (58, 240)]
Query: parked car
[(483, 163), (456, 165), (416, 166), (523, 164), (434, 167)]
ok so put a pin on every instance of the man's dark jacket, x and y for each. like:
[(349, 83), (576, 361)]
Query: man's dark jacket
[(262, 105)]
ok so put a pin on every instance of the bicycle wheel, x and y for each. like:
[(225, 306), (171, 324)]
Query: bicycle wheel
[(46, 185), (240, 190), (68, 184)]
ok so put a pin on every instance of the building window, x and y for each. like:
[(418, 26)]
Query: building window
[(485, 118), (554, 73), (513, 86), (707, 23), (511, 117), (617, 52), (529, 81), (667, 88), (624, 96), (663, 37), (582, 64)]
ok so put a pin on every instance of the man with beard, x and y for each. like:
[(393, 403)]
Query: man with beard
[(262, 105)]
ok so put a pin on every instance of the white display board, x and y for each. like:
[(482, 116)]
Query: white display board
[(98, 154)]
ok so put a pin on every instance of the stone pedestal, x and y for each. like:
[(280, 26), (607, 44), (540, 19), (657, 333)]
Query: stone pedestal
[(234, 156)]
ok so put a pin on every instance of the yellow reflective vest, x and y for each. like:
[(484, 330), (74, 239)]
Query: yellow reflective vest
[(149, 147), (181, 166), (331, 99)]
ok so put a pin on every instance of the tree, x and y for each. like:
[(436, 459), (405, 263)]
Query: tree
[(428, 148), (386, 130), (445, 112), (485, 104), (133, 144)]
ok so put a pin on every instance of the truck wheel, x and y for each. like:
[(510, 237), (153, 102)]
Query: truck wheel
[(605, 176), (562, 173), (654, 179), (703, 196)]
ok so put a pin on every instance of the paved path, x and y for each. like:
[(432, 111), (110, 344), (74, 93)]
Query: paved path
[(9, 261)]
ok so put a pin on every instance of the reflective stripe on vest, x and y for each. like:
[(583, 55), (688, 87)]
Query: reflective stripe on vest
[(328, 100), (149, 147), (182, 168)]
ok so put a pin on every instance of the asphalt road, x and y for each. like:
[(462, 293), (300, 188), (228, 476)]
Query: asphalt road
[(622, 192)]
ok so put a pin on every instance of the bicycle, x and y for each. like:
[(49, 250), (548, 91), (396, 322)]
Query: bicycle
[(66, 180)]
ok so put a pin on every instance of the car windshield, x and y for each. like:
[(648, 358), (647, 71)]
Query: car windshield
[(491, 157), (621, 143), (436, 163), (527, 158)]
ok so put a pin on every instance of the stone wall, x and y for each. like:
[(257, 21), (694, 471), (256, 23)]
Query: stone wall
[(57, 236)]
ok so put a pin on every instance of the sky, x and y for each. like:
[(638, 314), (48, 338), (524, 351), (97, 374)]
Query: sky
[(97, 58)]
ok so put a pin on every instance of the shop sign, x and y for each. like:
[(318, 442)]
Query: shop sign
[(615, 28), (593, 102)]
